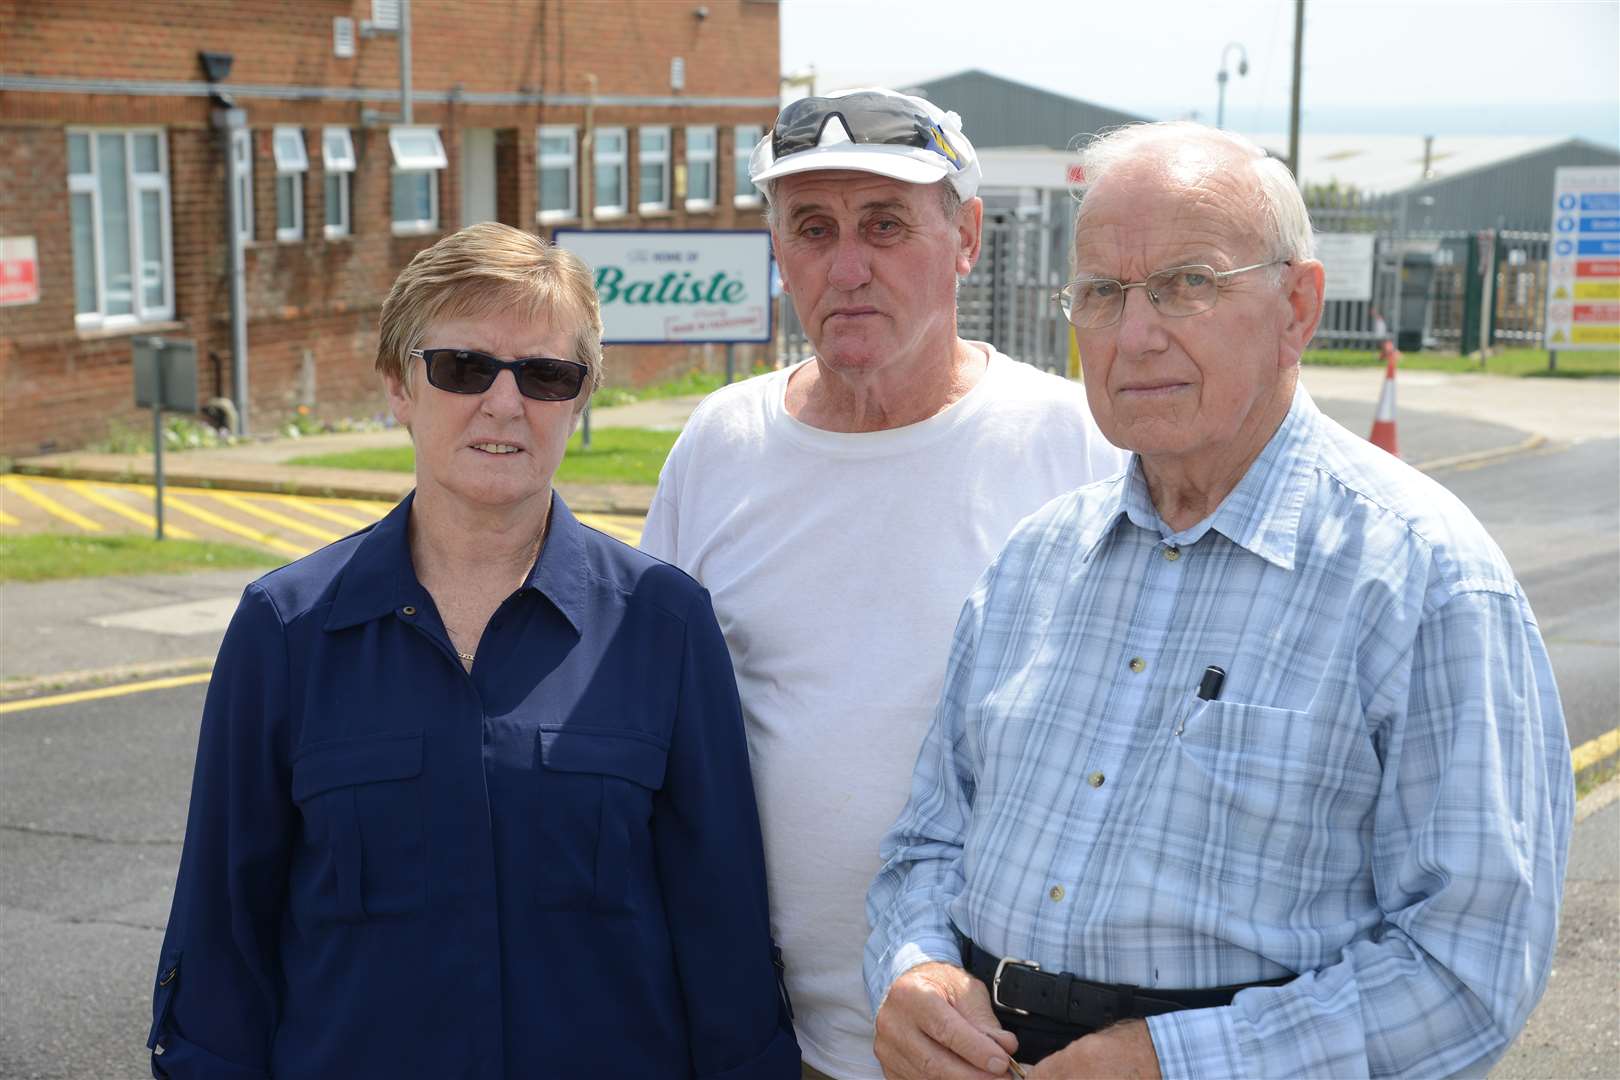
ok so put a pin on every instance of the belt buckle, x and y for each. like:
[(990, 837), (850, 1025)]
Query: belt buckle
[(995, 982)]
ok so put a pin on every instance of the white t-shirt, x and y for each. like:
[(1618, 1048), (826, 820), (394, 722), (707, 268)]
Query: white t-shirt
[(838, 564)]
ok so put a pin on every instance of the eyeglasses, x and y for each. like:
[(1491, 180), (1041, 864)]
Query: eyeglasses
[(1091, 303), (542, 378), (866, 117)]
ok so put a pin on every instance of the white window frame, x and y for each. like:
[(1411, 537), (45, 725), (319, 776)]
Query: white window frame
[(568, 163), (417, 159), (743, 193), (660, 158), (339, 167), (616, 159), (136, 183), (698, 201), (292, 162), (242, 172)]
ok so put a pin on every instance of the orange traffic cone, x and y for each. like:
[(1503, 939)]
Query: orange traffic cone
[(1383, 429)]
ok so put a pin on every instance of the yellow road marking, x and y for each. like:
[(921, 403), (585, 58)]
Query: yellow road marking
[(102, 692), (90, 494), (1595, 750), (210, 518), (7, 519), (50, 505), (236, 502), (314, 509)]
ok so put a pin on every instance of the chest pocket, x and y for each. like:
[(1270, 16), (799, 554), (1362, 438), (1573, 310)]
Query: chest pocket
[(361, 800), (594, 795), (1267, 792)]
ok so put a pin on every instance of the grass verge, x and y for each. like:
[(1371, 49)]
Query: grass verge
[(1529, 363), (50, 556), (693, 382), (616, 456)]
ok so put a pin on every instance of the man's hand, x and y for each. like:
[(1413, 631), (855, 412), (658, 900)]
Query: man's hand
[(937, 1024), (1122, 1051)]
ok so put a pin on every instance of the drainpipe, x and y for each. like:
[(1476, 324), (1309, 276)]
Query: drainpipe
[(587, 159), (405, 61), (229, 121)]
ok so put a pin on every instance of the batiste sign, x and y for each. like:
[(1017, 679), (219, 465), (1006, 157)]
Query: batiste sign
[(661, 287)]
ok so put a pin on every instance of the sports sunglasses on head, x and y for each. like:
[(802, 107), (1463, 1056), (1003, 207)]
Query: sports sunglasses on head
[(543, 378), (866, 117)]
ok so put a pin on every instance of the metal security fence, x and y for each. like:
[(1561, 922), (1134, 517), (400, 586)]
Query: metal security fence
[(1430, 290)]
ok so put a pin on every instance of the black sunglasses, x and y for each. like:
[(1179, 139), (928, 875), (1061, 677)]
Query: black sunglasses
[(543, 378), (867, 118)]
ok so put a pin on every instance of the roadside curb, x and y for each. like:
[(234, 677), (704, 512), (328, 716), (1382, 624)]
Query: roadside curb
[(1597, 799), (32, 685), (1477, 457)]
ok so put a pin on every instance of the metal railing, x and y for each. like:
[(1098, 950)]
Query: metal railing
[(1447, 290)]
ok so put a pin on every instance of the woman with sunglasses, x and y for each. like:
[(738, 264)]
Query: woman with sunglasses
[(472, 795)]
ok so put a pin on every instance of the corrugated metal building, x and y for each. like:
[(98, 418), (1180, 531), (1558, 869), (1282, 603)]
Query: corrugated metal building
[(1516, 193), (1002, 112)]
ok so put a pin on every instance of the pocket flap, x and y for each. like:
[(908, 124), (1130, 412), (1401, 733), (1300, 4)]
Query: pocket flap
[(346, 762), (632, 755)]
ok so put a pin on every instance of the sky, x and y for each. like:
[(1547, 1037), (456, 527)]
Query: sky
[(1441, 67)]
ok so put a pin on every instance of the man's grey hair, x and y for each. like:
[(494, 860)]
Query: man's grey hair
[(1281, 209), (950, 201)]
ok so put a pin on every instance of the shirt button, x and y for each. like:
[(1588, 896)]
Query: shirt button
[(407, 610), (1057, 893), (1172, 553), (1138, 664), (1096, 779)]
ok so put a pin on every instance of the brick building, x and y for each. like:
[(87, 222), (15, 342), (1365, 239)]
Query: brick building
[(538, 113)]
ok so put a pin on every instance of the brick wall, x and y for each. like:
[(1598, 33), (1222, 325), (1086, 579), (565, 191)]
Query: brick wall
[(313, 303)]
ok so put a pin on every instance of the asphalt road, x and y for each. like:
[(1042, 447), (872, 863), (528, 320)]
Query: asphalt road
[(93, 796)]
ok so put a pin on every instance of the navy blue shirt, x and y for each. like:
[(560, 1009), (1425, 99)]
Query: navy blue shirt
[(547, 866)]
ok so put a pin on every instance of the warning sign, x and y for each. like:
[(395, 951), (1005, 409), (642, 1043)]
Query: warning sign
[(19, 270), (1585, 260)]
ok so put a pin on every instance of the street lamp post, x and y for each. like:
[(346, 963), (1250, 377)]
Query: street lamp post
[(1221, 76)]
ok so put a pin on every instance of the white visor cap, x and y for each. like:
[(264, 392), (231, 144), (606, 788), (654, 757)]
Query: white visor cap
[(910, 164)]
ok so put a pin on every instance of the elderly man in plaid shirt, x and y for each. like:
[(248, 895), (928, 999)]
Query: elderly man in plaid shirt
[(1249, 762)]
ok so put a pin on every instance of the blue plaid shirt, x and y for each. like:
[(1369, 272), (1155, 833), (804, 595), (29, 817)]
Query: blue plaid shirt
[(1379, 800)]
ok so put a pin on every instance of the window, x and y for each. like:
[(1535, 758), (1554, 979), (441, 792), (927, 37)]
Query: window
[(559, 176), (292, 163), (699, 168), (242, 171), (608, 160), (652, 154), (337, 155), (418, 158), (118, 186), (743, 192)]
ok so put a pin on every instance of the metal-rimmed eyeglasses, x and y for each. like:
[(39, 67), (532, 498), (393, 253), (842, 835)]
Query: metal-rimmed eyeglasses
[(1091, 303), (542, 378)]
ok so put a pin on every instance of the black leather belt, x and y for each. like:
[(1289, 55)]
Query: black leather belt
[(1021, 987)]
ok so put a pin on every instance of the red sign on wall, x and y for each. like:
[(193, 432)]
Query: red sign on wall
[(19, 270)]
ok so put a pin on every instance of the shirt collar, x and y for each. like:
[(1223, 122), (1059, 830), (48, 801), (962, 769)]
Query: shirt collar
[(379, 578), (1262, 513)]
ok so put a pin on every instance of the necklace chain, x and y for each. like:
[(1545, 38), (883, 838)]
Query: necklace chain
[(545, 529)]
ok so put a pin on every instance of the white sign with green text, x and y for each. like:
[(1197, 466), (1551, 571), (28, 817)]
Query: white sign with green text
[(660, 287)]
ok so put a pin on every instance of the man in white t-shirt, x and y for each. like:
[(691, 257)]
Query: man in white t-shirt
[(840, 511)]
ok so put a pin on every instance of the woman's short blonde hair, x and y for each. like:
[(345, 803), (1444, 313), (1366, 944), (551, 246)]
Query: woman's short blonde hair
[(485, 268)]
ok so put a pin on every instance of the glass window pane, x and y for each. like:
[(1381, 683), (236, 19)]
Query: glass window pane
[(78, 153), (413, 197), (286, 202), (556, 144), (84, 252), (609, 186), (334, 196), (146, 154), (151, 250), (700, 138), (702, 180), (337, 150), (554, 190), (288, 146), (653, 142), (652, 183), (610, 142), (115, 225)]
